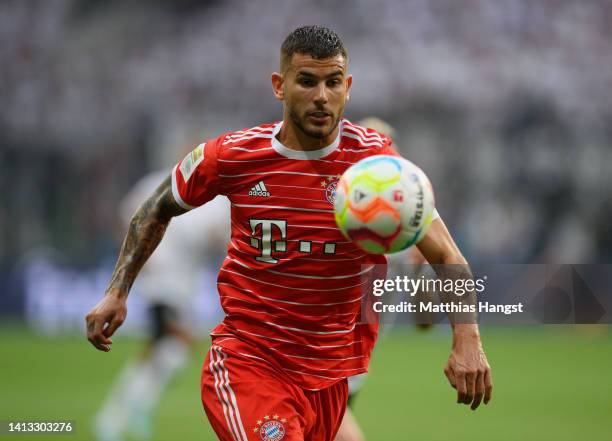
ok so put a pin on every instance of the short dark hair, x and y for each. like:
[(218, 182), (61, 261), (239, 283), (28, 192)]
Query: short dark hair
[(317, 41)]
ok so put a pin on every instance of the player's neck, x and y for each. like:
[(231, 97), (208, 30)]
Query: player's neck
[(293, 138)]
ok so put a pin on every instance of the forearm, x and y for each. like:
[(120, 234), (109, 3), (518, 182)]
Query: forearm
[(442, 253), (464, 324), (145, 232), (466, 333)]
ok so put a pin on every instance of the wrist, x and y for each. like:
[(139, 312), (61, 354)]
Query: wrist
[(466, 333), (116, 293)]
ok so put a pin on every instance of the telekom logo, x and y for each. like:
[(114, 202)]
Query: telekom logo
[(267, 245), (267, 225)]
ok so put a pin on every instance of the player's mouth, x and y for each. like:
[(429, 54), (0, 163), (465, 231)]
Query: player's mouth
[(319, 117)]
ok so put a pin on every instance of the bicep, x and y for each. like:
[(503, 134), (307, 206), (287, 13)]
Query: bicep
[(438, 245)]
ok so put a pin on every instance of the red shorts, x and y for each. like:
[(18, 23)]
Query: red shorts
[(245, 398)]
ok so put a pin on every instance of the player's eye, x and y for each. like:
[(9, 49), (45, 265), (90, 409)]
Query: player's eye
[(334, 82), (306, 82)]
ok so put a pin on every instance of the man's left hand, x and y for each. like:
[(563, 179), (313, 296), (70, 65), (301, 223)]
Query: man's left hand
[(468, 370)]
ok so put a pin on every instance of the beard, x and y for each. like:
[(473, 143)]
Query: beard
[(314, 132)]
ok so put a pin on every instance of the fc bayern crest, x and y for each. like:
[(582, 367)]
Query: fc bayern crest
[(271, 427), (330, 184), (273, 430)]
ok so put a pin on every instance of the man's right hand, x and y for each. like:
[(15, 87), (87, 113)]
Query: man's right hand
[(104, 319)]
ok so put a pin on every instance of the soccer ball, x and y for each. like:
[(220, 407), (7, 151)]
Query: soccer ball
[(384, 204)]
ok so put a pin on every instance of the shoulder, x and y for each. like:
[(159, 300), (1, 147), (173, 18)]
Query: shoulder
[(252, 135), (362, 138)]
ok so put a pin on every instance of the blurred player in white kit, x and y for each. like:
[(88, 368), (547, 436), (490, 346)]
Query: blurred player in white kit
[(168, 282)]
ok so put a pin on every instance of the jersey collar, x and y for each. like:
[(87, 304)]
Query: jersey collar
[(301, 154)]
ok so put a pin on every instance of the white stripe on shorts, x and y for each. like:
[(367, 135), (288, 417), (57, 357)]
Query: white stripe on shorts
[(228, 412), (233, 403)]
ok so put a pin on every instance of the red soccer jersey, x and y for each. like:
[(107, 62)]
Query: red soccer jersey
[(291, 283)]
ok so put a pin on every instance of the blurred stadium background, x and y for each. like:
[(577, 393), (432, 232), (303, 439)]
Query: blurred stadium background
[(507, 106)]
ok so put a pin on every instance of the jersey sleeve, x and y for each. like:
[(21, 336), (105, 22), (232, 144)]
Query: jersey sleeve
[(195, 179), (388, 147)]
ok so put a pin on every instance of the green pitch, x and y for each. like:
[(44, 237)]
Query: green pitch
[(551, 383)]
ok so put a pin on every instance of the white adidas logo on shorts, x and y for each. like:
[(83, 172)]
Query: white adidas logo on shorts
[(259, 190)]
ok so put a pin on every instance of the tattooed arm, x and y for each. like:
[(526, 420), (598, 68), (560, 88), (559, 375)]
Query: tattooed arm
[(146, 230)]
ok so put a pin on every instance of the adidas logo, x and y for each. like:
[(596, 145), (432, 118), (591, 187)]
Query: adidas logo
[(259, 190)]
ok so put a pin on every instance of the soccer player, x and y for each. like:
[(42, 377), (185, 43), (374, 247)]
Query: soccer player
[(167, 282), (291, 284)]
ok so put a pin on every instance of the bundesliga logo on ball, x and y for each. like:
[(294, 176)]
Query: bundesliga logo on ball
[(384, 204)]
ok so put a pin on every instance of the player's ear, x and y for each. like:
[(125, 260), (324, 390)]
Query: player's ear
[(349, 83), (277, 86)]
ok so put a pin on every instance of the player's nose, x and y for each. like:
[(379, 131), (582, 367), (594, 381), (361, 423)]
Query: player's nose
[(321, 94)]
